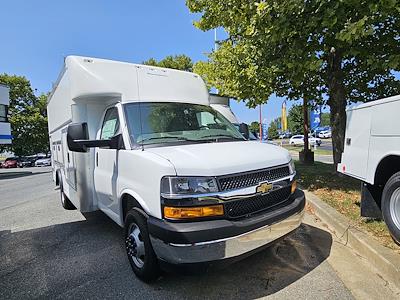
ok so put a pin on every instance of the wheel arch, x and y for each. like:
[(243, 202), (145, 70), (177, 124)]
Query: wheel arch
[(129, 200), (387, 166)]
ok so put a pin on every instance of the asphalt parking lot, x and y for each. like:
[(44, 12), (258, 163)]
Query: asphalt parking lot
[(49, 252)]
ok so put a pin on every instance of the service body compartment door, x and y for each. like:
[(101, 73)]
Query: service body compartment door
[(69, 163), (357, 139)]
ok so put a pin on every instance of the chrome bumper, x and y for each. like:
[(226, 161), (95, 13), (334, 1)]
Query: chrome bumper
[(227, 247)]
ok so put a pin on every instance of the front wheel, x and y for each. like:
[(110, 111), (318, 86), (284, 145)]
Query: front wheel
[(391, 206), (140, 252)]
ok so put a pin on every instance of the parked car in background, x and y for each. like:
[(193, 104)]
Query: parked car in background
[(43, 162), (299, 140), (285, 135), (27, 161), (326, 134), (11, 162)]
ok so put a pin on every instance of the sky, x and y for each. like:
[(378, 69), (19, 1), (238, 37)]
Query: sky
[(37, 35)]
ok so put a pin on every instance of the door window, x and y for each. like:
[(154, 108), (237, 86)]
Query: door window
[(110, 124)]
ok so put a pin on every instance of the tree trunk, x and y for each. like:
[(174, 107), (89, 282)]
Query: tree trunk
[(306, 156), (337, 103), (305, 124)]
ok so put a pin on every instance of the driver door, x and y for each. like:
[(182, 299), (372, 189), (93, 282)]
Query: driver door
[(106, 163)]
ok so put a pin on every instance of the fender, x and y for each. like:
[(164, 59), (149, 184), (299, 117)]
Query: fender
[(137, 198), (371, 172)]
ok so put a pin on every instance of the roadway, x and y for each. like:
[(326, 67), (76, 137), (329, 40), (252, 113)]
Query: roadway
[(49, 252)]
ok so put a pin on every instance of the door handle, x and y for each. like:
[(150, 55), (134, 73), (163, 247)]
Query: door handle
[(97, 159)]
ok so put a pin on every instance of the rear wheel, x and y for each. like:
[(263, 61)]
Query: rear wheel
[(391, 206), (140, 252), (65, 202)]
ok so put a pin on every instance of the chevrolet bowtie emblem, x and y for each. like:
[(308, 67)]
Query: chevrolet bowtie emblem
[(264, 188)]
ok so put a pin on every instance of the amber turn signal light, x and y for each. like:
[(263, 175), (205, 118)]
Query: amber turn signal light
[(294, 186), (193, 212)]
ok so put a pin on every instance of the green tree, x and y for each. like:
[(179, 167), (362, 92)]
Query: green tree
[(325, 119), (254, 127), (21, 92), (345, 50), (273, 130), (295, 119), (28, 117), (179, 62)]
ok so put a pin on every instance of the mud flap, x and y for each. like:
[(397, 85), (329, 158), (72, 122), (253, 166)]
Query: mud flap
[(369, 208)]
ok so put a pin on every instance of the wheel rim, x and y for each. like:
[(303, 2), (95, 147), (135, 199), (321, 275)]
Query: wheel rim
[(135, 245), (395, 207)]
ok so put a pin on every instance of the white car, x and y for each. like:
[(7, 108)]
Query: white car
[(299, 140), (43, 162), (325, 134)]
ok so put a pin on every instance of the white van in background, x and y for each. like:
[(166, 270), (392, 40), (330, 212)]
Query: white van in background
[(372, 155), (143, 145), (222, 105)]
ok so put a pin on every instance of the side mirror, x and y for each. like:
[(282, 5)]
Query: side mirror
[(244, 130), (77, 132), (78, 139), (117, 142)]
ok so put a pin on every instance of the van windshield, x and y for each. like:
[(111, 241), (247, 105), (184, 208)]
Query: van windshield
[(173, 122)]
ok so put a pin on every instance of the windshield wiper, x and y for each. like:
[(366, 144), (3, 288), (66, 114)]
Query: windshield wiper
[(216, 136), (178, 138)]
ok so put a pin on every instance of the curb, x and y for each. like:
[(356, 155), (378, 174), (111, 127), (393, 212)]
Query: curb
[(380, 257)]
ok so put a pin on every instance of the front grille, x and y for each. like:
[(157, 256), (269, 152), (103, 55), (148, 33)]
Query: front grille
[(243, 207), (243, 180)]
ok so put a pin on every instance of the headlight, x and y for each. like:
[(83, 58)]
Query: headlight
[(187, 185), (292, 168)]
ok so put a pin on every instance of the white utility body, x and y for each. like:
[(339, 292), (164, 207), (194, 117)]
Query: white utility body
[(143, 145), (372, 155)]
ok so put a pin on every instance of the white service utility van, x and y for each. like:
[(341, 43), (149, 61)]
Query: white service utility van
[(372, 155), (143, 145)]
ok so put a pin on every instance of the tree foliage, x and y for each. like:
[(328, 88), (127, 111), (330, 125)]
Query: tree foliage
[(295, 119), (28, 117), (273, 129), (178, 62), (325, 119), (254, 127), (343, 51)]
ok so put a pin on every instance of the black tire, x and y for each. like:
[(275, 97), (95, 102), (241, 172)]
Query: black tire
[(149, 270), (65, 202), (391, 189)]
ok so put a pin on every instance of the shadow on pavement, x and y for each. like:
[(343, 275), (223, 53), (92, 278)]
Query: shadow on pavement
[(11, 175), (87, 259)]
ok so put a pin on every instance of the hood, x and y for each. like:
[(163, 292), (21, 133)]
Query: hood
[(214, 159)]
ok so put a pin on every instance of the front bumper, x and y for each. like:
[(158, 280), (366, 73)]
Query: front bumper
[(208, 241)]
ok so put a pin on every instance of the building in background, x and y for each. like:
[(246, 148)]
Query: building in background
[(5, 129)]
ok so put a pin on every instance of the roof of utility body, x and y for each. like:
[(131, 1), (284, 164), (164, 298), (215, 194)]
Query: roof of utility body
[(376, 102), (91, 77)]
